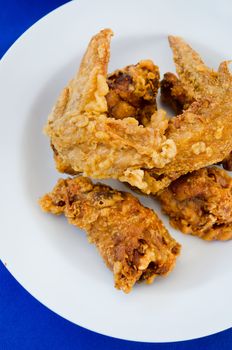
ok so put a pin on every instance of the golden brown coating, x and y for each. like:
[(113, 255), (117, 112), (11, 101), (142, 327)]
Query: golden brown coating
[(130, 238), (174, 94), (86, 140), (203, 133), (200, 204), (197, 81), (203, 136), (196, 78), (86, 92), (133, 91)]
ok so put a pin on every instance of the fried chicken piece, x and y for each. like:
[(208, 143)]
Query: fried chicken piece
[(196, 78), (133, 91), (203, 133), (85, 140), (227, 162), (149, 158), (130, 238), (200, 204), (174, 94), (203, 136)]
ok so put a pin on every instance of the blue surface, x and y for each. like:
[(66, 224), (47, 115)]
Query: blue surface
[(24, 322)]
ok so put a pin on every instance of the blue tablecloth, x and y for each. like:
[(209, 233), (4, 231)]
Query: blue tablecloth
[(24, 322)]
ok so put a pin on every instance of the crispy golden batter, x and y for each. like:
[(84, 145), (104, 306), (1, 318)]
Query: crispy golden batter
[(85, 140), (174, 94), (133, 91), (196, 78), (200, 204), (203, 136), (203, 133), (130, 238)]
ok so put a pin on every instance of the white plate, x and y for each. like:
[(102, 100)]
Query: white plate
[(52, 259)]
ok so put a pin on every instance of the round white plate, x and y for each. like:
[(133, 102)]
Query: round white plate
[(49, 257)]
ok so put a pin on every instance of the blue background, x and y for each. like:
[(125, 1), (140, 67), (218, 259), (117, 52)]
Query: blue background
[(24, 322)]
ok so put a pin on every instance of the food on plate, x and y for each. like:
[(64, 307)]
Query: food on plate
[(108, 126), (227, 162), (130, 238), (86, 140), (133, 91), (200, 204), (174, 94), (196, 78), (203, 133)]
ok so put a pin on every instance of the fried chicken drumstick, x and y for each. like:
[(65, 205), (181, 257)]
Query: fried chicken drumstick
[(200, 204), (130, 238), (86, 140)]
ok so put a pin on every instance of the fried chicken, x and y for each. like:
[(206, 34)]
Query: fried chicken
[(85, 140), (133, 91), (200, 204), (130, 238), (174, 94), (227, 162), (203, 133)]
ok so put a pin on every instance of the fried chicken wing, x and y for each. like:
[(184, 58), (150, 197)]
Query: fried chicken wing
[(200, 204), (203, 133), (130, 238), (133, 91), (196, 78), (203, 136), (85, 140), (174, 94)]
